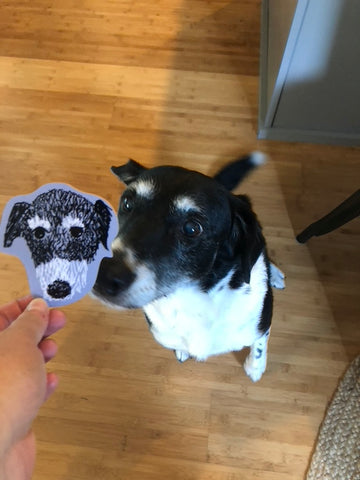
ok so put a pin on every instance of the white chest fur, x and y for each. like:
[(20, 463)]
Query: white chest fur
[(204, 324)]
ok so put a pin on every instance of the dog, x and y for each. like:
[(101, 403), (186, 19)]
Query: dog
[(62, 230), (192, 255)]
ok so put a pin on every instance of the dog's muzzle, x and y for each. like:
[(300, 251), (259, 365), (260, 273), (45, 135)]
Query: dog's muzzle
[(114, 277), (60, 279)]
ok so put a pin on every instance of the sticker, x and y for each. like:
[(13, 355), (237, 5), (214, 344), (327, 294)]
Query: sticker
[(60, 235)]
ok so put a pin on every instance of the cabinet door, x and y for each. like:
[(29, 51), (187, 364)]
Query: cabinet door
[(318, 93), (321, 90)]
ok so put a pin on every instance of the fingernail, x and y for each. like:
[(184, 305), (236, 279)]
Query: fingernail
[(37, 304)]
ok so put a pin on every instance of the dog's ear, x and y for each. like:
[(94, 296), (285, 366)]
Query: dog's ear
[(129, 172), (103, 218), (245, 242), (15, 223)]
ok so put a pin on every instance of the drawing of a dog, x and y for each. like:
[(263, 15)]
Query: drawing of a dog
[(63, 231)]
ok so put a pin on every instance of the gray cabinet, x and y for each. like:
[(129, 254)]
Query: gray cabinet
[(310, 71)]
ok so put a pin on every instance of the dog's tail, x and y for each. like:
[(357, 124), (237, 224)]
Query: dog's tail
[(234, 173)]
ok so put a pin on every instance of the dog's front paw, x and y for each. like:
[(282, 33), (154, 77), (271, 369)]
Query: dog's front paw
[(277, 277), (182, 355), (254, 369)]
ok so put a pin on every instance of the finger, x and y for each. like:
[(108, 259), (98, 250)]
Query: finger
[(52, 382), (10, 311), (48, 348), (23, 302), (34, 321), (57, 320)]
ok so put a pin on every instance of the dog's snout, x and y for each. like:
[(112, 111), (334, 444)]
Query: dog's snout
[(113, 277), (59, 289), (114, 285)]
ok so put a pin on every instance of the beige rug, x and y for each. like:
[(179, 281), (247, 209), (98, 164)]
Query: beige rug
[(337, 452)]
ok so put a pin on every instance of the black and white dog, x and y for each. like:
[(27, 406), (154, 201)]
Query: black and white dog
[(193, 256)]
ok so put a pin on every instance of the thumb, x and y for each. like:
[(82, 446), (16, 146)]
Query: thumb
[(34, 320)]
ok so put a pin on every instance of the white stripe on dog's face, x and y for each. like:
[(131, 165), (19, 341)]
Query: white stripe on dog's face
[(129, 255), (71, 221), (37, 222), (142, 290), (185, 204), (117, 244), (145, 188)]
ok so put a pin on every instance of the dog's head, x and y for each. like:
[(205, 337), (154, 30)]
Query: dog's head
[(63, 231), (176, 226)]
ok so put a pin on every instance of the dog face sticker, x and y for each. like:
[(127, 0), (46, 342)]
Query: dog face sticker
[(60, 235)]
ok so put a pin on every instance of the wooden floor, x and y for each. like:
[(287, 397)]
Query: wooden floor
[(85, 84)]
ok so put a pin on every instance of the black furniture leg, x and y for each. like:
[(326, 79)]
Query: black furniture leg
[(342, 214)]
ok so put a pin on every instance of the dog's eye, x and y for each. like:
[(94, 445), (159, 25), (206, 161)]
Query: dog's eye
[(126, 203), (76, 232), (39, 232), (192, 228)]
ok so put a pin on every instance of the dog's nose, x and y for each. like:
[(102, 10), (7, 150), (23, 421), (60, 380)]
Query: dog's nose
[(114, 285), (59, 289), (113, 277)]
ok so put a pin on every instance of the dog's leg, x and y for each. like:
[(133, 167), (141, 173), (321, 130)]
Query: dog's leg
[(277, 278), (255, 363), (181, 355)]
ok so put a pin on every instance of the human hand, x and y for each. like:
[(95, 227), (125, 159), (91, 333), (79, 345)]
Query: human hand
[(24, 384)]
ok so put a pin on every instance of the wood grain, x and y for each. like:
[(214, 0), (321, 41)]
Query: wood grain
[(87, 84)]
